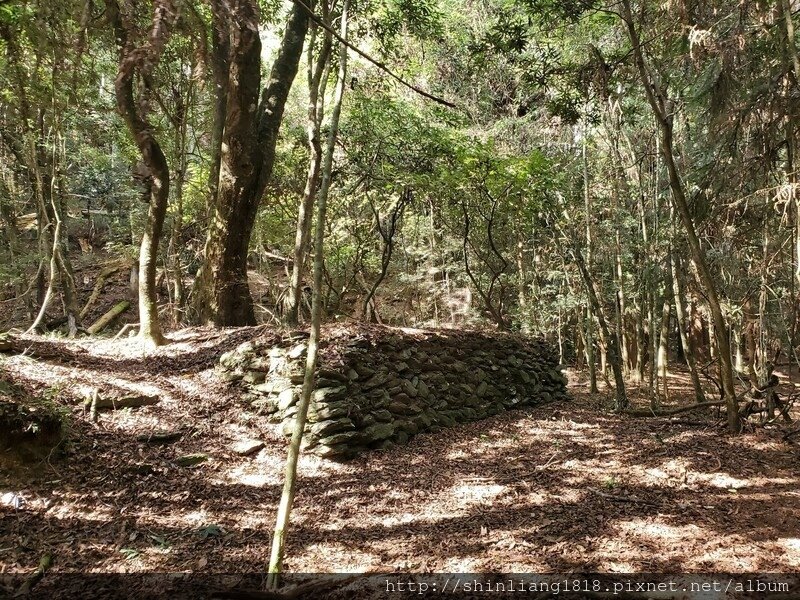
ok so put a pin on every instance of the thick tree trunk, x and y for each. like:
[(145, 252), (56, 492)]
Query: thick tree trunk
[(290, 473), (221, 292), (220, 49)]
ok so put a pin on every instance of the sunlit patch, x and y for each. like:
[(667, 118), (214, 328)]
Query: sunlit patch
[(461, 565), (403, 519), (722, 480), (791, 549), (247, 476), (196, 517), (659, 530), (471, 493)]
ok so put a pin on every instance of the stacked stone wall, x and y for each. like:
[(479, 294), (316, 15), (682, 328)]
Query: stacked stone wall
[(378, 386)]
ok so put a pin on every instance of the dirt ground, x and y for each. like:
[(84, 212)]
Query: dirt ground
[(565, 487)]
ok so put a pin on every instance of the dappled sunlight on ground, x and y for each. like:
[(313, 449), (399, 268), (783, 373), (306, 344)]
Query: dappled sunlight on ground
[(559, 487)]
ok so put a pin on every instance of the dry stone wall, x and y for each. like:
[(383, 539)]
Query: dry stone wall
[(379, 386)]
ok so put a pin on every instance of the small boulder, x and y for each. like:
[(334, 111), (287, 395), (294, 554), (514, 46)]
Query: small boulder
[(247, 447)]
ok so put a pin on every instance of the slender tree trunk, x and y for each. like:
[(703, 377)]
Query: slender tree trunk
[(387, 232), (181, 123), (587, 200), (290, 474), (663, 343), (641, 346), (686, 341), (317, 76), (662, 108), (42, 175), (134, 59), (613, 355)]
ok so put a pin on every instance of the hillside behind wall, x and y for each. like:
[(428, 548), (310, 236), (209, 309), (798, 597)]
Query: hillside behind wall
[(378, 386)]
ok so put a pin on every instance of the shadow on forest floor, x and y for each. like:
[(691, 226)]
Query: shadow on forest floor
[(556, 488)]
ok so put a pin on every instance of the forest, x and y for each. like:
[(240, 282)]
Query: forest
[(295, 294)]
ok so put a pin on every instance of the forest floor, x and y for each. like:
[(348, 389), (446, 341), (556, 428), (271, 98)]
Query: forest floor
[(568, 487)]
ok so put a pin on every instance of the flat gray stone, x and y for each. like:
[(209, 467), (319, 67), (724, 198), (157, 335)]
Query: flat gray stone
[(247, 447)]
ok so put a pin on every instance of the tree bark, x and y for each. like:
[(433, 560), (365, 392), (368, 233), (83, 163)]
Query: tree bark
[(613, 354), (290, 473), (132, 60), (221, 292), (662, 108), (686, 341), (317, 76), (587, 200)]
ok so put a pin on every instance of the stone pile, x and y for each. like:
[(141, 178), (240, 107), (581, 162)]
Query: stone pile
[(378, 386)]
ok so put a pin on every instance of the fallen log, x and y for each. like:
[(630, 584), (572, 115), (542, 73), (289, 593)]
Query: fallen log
[(97, 402), (100, 283), (107, 318), (6, 343), (160, 437), (670, 411)]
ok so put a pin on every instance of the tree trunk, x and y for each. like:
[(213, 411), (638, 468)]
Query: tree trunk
[(42, 168), (587, 201), (663, 341), (686, 341), (613, 354), (317, 76), (290, 473), (662, 109), (142, 59), (221, 293)]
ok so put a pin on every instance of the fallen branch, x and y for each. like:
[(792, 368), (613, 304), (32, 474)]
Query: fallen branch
[(671, 411), (107, 318), (93, 405), (165, 437), (34, 578), (125, 329), (100, 283), (97, 402), (631, 499)]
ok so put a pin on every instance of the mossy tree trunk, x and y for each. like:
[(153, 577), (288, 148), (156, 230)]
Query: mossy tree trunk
[(135, 60)]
